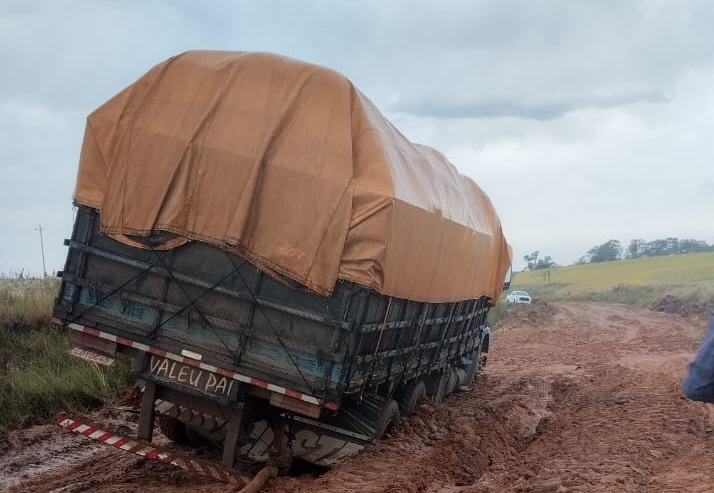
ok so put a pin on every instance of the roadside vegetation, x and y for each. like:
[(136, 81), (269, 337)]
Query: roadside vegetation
[(497, 313), (679, 283), (38, 378)]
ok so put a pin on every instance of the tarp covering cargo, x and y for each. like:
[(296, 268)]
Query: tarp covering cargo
[(289, 165)]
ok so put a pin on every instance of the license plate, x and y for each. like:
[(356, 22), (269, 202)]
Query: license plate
[(187, 375), (88, 354)]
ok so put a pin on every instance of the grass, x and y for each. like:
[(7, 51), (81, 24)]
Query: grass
[(38, 378), (496, 314), (27, 302), (689, 278)]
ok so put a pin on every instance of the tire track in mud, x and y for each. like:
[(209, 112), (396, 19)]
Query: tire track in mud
[(46, 451), (445, 447), (49, 459), (619, 422)]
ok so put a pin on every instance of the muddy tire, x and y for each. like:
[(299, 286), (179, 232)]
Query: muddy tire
[(174, 429), (410, 397), (180, 426), (451, 383), (388, 419)]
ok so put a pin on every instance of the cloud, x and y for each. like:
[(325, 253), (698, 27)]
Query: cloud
[(495, 59), (539, 111), (582, 120)]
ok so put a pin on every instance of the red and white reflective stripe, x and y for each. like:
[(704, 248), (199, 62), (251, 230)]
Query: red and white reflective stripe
[(198, 364), (149, 451)]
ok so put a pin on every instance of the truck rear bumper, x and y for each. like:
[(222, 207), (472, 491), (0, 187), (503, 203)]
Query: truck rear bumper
[(221, 372)]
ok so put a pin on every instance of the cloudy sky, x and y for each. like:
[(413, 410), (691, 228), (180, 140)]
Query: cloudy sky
[(584, 121)]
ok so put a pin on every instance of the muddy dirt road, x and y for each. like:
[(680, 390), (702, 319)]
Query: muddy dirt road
[(576, 397)]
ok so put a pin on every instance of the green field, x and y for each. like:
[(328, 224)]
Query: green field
[(688, 277)]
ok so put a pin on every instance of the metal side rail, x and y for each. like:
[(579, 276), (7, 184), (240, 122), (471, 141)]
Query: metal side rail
[(150, 452)]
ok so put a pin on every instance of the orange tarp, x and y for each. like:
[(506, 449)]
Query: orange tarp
[(289, 165)]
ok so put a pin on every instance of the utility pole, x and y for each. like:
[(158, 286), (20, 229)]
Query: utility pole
[(42, 245)]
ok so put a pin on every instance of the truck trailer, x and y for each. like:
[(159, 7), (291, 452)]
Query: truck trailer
[(289, 274)]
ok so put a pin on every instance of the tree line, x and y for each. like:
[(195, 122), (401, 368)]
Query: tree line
[(638, 248), (613, 250)]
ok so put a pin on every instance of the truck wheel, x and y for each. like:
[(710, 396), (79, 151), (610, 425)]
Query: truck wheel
[(411, 396), (460, 377), (451, 382), (309, 444), (185, 426), (174, 429), (388, 419)]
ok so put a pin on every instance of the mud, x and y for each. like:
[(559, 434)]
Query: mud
[(677, 306), (576, 397)]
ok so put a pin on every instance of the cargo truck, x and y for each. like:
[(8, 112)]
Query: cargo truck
[(289, 274)]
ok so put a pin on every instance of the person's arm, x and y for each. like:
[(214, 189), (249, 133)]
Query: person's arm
[(698, 384)]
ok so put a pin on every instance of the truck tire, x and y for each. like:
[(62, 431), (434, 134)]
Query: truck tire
[(186, 426), (388, 419), (411, 396), (174, 429), (309, 445), (451, 382), (460, 377)]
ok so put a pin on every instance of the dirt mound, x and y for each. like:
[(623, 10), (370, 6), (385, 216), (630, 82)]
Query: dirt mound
[(535, 314), (677, 306)]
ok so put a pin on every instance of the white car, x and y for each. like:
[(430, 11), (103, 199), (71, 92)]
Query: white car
[(518, 297)]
